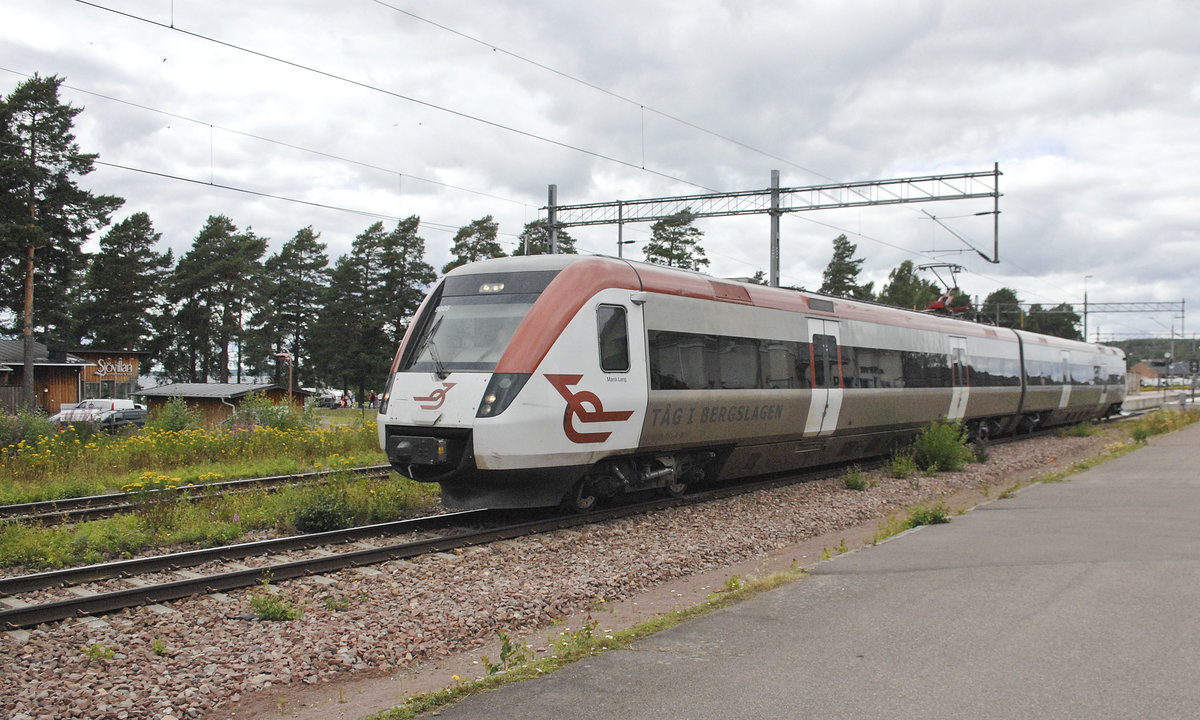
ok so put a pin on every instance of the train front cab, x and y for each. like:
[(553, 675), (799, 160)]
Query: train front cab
[(518, 375)]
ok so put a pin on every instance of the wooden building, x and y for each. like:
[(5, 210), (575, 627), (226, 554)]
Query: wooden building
[(57, 376), (109, 373), (216, 402)]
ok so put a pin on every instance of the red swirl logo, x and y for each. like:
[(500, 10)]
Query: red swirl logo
[(584, 407), (435, 399)]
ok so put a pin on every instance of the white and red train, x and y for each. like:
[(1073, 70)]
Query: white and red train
[(551, 379)]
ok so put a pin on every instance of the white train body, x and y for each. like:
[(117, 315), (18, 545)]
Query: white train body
[(538, 380)]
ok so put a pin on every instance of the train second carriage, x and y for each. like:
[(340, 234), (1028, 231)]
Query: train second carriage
[(542, 380)]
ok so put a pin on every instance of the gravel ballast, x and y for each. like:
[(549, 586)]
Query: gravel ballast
[(210, 657)]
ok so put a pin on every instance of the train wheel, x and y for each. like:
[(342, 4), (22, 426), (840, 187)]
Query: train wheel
[(675, 488), (583, 499)]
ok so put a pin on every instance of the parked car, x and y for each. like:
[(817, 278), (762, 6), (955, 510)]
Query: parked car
[(109, 414)]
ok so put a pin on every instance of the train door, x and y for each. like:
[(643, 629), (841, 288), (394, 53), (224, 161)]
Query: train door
[(960, 379), (1066, 380), (826, 377), (1100, 380)]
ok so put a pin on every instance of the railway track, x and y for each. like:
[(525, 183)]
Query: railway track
[(440, 533), (23, 608), (78, 509)]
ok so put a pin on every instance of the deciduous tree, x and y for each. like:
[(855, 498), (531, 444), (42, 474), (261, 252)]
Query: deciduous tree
[(906, 289), (1003, 307)]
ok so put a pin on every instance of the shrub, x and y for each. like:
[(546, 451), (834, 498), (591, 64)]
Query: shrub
[(942, 447), (175, 416), (27, 425), (258, 410)]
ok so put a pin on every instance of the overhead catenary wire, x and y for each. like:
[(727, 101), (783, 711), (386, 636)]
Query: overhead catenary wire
[(392, 93), (171, 27)]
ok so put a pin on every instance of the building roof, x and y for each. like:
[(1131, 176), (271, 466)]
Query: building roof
[(12, 352), (217, 391)]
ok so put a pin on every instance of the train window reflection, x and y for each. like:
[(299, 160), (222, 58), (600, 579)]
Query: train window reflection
[(469, 336), (614, 338)]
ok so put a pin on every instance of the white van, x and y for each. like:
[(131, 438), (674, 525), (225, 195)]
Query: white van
[(109, 413)]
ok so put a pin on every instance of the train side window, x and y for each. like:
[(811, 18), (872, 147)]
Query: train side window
[(614, 338), (826, 371)]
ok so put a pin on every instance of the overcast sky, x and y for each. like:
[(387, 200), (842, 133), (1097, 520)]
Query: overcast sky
[(284, 114)]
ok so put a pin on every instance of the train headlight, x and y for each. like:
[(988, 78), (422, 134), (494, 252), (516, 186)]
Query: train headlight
[(500, 392), (387, 393)]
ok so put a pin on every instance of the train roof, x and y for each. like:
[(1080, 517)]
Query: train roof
[(582, 276)]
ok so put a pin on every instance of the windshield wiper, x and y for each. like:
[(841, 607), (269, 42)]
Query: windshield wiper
[(441, 371)]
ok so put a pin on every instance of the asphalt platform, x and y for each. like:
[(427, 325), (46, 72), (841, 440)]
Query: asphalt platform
[(1078, 599)]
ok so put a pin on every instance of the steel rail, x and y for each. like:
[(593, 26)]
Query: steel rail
[(113, 601), (93, 506), (191, 558), (102, 603)]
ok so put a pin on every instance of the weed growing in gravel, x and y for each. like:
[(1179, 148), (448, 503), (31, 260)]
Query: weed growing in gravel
[(1083, 429), (513, 654), (159, 647), (98, 651), (935, 514), (573, 646), (889, 527), (268, 606), (917, 515), (337, 604), (1162, 421), (856, 479), (902, 464)]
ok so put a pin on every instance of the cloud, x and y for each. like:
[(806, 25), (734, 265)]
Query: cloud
[(461, 110)]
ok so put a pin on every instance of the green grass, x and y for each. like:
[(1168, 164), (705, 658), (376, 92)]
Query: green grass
[(172, 523), (59, 465)]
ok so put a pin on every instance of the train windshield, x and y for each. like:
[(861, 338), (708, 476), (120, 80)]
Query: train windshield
[(472, 321)]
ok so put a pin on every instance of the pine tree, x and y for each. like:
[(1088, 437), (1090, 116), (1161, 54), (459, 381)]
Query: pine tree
[(122, 289), (209, 299), (44, 216), (675, 242), (840, 278), (293, 284), (536, 237), (476, 241), (373, 292), (402, 279)]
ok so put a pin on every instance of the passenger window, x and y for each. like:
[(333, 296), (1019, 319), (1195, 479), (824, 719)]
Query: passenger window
[(614, 338)]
